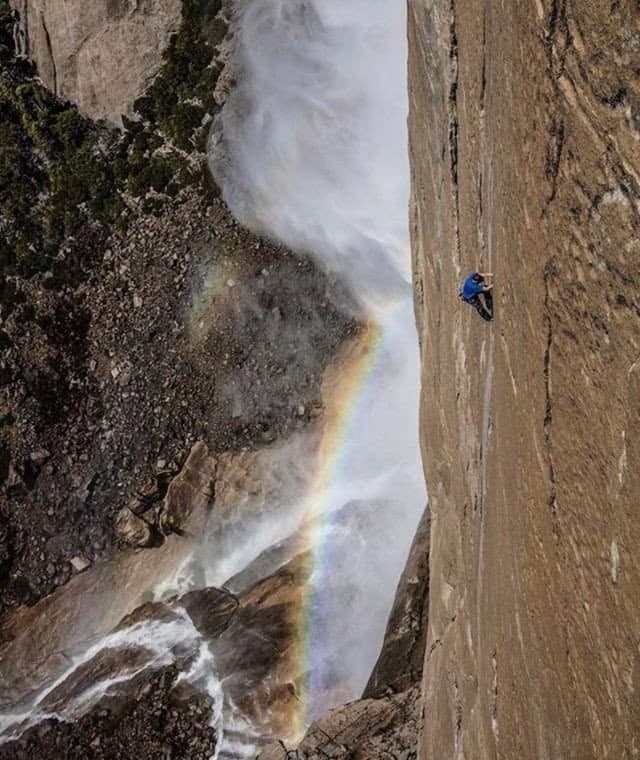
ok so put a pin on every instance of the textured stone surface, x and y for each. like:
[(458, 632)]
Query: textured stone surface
[(256, 657), (161, 717), (525, 155), (367, 729), (100, 55), (191, 491), (399, 666)]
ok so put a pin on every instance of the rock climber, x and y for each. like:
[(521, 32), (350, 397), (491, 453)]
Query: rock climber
[(478, 294)]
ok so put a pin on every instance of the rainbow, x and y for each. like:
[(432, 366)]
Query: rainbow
[(348, 390), (347, 393)]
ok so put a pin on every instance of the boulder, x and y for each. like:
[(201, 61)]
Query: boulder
[(80, 563), (210, 609), (191, 491), (133, 530)]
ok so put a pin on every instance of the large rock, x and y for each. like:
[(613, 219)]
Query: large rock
[(107, 664), (101, 54), (257, 656), (133, 530), (525, 162), (367, 729), (211, 610), (190, 492), (399, 666)]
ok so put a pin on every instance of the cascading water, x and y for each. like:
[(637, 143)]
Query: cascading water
[(314, 135), (310, 149)]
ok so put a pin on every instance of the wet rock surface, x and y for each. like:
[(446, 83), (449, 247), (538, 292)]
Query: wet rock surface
[(223, 500), (251, 637), (212, 610), (256, 656)]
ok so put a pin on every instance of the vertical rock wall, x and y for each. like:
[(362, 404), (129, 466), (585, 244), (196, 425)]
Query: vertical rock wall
[(100, 54), (524, 132)]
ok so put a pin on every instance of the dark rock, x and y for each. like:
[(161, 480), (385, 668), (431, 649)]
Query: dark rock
[(190, 491), (399, 666), (212, 610), (161, 718), (133, 530), (159, 611), (107, 664)]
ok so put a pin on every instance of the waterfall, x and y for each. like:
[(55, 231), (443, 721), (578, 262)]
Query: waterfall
[(311, 149)]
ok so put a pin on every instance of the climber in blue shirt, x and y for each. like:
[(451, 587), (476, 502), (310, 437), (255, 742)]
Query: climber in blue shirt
[(473, 288)]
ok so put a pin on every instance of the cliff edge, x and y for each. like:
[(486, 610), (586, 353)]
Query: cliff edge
[(100, 55), (524, 128)]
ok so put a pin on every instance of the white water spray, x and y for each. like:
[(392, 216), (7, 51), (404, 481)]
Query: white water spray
[(315, 142), (312, 150), (315, 154)]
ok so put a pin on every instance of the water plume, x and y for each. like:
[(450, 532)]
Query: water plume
[(311, 149), (312, 145)]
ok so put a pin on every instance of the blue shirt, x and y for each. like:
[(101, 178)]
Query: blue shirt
[(470, 289)]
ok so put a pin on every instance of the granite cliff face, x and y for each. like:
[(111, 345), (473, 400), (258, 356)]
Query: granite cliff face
[(514, 631), (525, 162), (100, 55)]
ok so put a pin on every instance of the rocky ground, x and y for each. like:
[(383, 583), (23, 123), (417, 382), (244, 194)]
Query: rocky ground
[(185, 332), (191, 326), (368, 729), (158, 718), (147, 351)]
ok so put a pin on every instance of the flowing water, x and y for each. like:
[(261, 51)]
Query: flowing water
[(314, 153), (310, 149)]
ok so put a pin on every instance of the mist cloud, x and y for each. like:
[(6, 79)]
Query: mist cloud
[(311, 149), (315, 146)]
